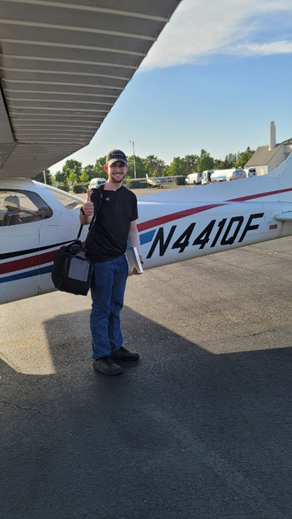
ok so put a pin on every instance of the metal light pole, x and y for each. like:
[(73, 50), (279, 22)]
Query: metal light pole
[(134, 159)]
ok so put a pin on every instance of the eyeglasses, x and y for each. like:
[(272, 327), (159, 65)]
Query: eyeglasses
[(118, 165)]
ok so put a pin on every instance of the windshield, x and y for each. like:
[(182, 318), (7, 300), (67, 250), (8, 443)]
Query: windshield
[(67, 200)]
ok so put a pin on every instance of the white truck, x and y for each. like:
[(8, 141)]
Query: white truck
[(206, 176), (96, 182), (220, 175), (250, 172), (193, 178)]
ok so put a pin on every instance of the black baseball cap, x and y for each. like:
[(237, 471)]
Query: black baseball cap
[(114, 156)]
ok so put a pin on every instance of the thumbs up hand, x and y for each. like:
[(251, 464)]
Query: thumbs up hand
[(88, 206), (88, 195)]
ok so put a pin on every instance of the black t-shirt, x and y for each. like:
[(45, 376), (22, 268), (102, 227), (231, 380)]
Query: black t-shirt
[(115, 211)]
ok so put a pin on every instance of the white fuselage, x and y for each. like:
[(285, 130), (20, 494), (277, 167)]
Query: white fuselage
[(173, 226)]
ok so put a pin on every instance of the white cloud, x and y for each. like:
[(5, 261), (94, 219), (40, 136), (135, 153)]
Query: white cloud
[(199, 29), (263, 49)]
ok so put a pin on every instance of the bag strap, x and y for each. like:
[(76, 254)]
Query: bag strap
[(80, 231), (91, 225), (99, 190)]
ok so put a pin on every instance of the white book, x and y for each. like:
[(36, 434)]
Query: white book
[(134, 261)]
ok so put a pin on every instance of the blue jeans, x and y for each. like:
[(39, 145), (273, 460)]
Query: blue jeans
[(107, 294)]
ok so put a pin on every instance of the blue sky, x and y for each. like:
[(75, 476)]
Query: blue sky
[(215, 78)]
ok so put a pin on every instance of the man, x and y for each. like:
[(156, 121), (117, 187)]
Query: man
[(114, 208)]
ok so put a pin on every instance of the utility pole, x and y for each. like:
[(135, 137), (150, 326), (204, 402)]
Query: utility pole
[(134, 159)]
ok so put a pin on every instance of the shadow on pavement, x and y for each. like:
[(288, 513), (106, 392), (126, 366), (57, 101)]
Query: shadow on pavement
[(182, 434)]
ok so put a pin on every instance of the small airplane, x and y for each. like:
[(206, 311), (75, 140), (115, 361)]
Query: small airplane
[(36, 219), (60, 76), (154, 181)]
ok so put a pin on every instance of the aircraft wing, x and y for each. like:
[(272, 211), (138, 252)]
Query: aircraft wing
[(63, 65), (284, 217)]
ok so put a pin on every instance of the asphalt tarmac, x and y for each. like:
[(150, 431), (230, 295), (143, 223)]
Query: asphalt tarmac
[(199, 428)]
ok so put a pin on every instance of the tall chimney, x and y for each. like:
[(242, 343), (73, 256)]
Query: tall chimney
[(272, 136)]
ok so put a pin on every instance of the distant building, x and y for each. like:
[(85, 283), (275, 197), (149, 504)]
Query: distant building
[(267, 158)]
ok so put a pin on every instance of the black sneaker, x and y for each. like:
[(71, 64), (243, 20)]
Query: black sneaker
[(106, 365), (123, 354)]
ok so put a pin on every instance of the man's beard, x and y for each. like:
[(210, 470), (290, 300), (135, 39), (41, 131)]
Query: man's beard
[(117, 181)]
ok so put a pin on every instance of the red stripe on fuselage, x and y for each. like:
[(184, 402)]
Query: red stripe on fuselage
[(252, 197), (175, 216), (26, 263), (188, 212)]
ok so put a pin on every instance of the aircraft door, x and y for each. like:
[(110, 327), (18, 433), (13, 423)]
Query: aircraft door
[(18, 262)]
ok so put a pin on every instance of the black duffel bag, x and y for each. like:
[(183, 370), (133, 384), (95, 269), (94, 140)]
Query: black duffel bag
[(72, 271)]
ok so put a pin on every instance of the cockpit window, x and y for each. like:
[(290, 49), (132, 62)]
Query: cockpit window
[(20, 206), (69, 201)]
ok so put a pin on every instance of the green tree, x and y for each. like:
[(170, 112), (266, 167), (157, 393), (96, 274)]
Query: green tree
[(151, 163), (218, 164), (244, 157), (140, 167), (205, 161), (99, 171), (177, 167), (89, 171), (84, 177), (40, 177), (60, 177), (160, 168), (72, 165), (229, 161), (72, 177), (192, 162)]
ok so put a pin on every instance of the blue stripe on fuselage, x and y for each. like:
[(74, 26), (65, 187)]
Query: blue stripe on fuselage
[(146, 237), (25, 275)]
